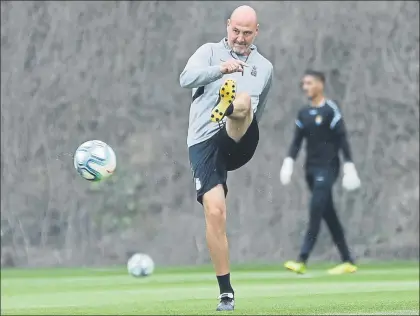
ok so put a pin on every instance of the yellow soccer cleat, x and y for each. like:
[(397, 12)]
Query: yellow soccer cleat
[(298, 267), (343, 268), (227, 94)]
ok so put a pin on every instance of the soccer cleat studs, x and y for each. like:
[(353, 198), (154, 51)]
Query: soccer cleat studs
[(227, 94)]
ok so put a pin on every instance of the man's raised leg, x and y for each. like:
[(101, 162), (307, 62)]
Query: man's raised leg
[(241, 118), (236, 107), (215, 213)]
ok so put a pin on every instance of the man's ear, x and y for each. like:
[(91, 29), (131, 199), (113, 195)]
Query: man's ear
[(257, 30), (228, 23)]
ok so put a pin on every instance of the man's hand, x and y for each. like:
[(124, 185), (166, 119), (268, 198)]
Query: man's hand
[(351, 179), (286, 171), (232, 65)]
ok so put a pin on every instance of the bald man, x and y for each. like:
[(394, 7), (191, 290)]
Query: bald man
[(230, 81)]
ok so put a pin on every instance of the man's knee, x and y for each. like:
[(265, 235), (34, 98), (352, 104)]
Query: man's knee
[(215, 208), (241, 106), (215, 215)]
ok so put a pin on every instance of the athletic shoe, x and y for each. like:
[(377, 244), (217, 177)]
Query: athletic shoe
[(227, 94), (343, 268), (227, 302), (295, 266)]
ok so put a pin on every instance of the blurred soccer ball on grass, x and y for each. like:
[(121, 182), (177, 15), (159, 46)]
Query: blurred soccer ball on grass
[(140, 265)]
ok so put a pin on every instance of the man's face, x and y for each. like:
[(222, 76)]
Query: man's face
[(312, 86), (241, 35)]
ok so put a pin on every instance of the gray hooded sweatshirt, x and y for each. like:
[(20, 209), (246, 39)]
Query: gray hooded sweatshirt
[(202, 75)]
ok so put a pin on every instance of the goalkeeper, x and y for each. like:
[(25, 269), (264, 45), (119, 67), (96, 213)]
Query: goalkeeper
[(322, 125)]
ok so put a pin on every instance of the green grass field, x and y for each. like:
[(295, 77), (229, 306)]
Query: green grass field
[(387, 288)]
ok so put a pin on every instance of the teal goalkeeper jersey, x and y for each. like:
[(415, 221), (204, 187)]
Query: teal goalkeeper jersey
[(202, 75)]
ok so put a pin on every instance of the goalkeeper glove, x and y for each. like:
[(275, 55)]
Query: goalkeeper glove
[(286, 171), (351, 180)]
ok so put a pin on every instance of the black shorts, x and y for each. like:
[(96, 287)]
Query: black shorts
[(212, 159)]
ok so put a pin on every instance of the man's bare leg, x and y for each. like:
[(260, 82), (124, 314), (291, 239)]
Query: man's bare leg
[(236, 107), (241, 118), (215, 213)]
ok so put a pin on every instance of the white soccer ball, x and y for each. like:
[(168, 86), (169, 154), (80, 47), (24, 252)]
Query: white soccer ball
[(94, 160), (140, 265)]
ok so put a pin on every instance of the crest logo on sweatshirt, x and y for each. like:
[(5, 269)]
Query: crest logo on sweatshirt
[(254, 71), (318, 120)]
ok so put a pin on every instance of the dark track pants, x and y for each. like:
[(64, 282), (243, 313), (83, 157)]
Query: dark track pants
[(320, 182)]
